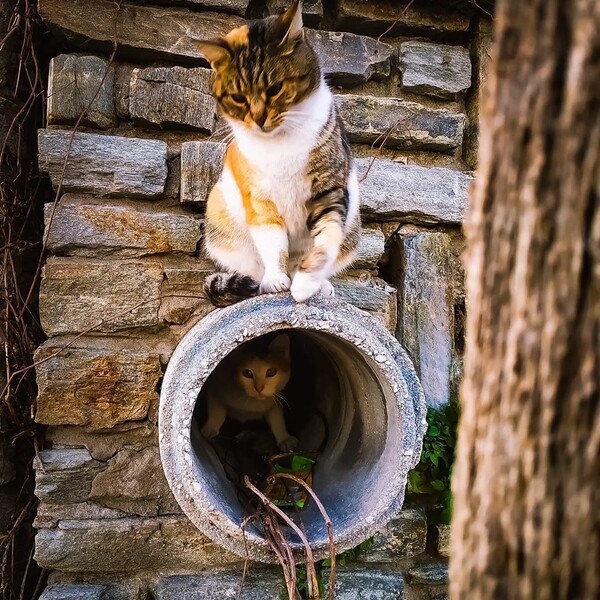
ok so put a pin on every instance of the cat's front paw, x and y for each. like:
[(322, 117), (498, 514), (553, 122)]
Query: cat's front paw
[(304, 286), (209, 431), (288, 444), (273, 283), (327, 290)]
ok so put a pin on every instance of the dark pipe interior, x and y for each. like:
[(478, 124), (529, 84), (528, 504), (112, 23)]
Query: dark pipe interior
[(337, 408)]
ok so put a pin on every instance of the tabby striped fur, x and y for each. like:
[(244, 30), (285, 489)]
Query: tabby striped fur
[(287, 201)]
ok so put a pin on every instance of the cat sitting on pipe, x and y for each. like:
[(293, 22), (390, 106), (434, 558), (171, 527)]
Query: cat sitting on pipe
[(285, 213)]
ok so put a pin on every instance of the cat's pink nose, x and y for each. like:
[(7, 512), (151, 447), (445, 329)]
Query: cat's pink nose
[(258, 112), (259, 388)]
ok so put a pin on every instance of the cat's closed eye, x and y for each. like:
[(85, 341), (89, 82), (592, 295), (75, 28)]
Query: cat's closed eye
[(239, 98), (271, 372), (247, 373), (274, 89)]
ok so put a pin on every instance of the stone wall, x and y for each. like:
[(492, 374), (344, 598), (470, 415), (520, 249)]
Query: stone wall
[(123, 280)]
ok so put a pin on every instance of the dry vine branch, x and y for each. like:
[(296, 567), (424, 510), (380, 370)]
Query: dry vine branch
[(327, 520), (20, 195), (313, 583)]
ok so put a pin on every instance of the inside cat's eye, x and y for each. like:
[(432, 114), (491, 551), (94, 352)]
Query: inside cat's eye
[(274, 89), (239, 98), (247, 373), (271, 372)]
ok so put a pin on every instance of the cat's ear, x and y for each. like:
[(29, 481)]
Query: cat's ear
[(290, 23), (281, 345), (216, 52)]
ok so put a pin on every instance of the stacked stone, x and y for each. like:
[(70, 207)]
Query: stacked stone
[(123, 281)]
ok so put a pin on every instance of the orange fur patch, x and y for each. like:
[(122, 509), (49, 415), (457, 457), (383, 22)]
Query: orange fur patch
[(218, 216), (315, 261), (238, 36), (260, 211)]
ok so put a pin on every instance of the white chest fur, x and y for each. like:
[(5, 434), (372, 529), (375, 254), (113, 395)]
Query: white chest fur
[(280, 160)]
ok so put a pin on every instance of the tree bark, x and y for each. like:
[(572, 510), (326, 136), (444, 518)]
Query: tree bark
[(527, 478)]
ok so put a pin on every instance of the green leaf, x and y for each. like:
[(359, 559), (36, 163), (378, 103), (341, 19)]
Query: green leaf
[(438, 486), (433, 431)]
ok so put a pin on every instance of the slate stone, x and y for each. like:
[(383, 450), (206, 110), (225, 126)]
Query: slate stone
[(429, 574), (396, 123), (69, 485), (237, 7), (129, 545), (48, 515), (88, 226), (141, 31), (371, 294), (411, 193), (258, 585), (481, 45), (79, 294), (201, 166), (78, 84), (393, 18), (426, 327), (443, 540), (74, 591), (358, 583), (173, 97), (103, 165), (134, 482), (94, 388), (312, 10), (371, 246), (434, 69), (63, 459), (105, 443), (349, 60), (183, 293), (403, 537), (122, 89)]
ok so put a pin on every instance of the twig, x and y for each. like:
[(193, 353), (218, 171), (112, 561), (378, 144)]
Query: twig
[(396, 21), (313, 584), (243, 526), (327, 520)]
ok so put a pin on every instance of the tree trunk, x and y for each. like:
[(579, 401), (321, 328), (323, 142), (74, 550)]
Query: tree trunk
[(526, 483)]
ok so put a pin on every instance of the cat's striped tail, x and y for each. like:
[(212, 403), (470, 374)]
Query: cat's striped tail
[(224, 289)]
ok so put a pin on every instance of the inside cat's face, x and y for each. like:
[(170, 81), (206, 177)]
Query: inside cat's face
[(264, 372), (263, 71)]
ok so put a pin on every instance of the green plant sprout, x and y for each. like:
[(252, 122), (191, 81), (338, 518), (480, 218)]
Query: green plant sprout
[(433, 473)]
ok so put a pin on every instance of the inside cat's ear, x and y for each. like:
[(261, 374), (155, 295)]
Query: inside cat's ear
[(281, 345), (216, 52), (290, 23)]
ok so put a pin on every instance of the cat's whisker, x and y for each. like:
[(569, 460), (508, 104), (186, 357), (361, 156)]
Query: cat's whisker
[(281, 399), (297, 112)]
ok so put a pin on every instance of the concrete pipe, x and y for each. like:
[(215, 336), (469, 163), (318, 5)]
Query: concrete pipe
[(366, 389)]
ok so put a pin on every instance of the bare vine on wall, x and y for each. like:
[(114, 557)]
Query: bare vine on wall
[(22, 97)]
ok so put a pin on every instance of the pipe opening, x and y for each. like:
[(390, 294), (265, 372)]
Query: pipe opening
[(337, 410), (355, 402)]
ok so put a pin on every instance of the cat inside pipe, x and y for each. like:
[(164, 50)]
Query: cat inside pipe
[(285, 213), (249, 404)]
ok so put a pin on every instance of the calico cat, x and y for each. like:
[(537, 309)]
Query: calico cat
[(285, 213), (247, 386)]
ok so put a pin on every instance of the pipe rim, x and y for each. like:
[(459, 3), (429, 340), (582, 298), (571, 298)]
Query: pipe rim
[(212, 338)]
